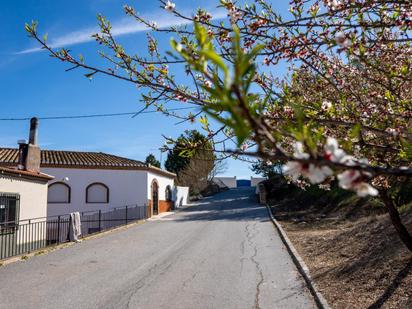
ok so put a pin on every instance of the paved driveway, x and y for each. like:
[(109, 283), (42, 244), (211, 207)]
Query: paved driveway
[(222, 253)]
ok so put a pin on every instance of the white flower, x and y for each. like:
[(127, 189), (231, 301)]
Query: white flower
[(299, 152), (332, 150), (326, 105), (235, 15), (170, 6), (352, 180), (364, 189), (293, 169), (336, 154), (341, 39), (391, 131), (334, 4), (315, 174), (318, 174), (347, 179)]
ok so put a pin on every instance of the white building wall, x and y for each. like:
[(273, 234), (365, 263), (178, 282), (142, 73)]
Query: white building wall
[(33, 205), (126, 187), (230, 182), (180, 196), (33, 196), (255, 180), (163, 182)]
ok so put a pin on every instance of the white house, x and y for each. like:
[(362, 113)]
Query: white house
[(89, 181), (23, 201), (23, 195), (230, 182)]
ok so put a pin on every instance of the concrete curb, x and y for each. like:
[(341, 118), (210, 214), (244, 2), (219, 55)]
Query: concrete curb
[(300, 264)]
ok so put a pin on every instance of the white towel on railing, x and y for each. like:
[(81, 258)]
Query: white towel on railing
[(75, 226)]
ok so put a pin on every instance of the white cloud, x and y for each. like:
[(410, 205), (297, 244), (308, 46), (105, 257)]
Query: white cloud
[(120, 28)]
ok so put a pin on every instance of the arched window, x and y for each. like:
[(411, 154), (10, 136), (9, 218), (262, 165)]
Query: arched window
[(59, 192), (97, 193), (168, 194)]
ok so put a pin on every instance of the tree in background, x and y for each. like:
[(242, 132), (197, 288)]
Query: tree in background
[(151, 159), (267, 169), (342, 112), (192, 159), (219, 168)]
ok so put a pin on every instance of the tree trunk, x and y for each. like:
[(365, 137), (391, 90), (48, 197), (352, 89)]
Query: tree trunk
[(396, 220)]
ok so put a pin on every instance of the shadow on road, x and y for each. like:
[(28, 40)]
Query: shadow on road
[(233, 205)]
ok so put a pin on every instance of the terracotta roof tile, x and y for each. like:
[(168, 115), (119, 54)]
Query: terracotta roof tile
[(24, 174), (76, 159), (9, 157)]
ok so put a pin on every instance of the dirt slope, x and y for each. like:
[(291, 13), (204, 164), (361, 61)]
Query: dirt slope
[(351, 248)]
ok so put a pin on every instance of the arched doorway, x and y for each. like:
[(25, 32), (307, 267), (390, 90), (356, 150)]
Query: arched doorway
[(155, 197)]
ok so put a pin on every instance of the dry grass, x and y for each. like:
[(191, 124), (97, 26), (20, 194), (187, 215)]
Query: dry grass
[(354, 254)]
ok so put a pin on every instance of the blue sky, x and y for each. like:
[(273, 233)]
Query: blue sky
[(33, 84)]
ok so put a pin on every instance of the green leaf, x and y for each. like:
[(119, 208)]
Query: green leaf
[(216, 59), (355, 131)]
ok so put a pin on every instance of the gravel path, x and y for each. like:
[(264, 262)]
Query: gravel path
[(221, 253)]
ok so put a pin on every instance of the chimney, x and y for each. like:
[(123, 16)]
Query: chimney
[(31, 154), (34, 124)]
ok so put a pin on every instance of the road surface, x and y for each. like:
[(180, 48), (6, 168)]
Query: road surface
[(222, 253)]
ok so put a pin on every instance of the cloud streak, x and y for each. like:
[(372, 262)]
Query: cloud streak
[(118, 29)]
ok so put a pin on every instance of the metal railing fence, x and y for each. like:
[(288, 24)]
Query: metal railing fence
[(23, 237)]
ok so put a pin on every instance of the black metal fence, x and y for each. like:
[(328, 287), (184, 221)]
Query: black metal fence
[(34, 234)]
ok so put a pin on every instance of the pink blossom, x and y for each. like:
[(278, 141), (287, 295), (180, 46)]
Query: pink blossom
[(334, 153), (315, 174), (170, 6), (295, 169), (352, 180)]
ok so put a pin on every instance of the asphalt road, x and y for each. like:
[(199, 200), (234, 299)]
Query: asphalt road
[(222, 253)]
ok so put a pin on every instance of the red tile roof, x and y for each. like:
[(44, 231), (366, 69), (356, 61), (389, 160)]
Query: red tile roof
[(76, 159), (24, 174)]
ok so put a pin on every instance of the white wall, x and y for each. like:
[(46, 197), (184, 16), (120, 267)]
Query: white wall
[(230, 182), (33, 205), (255, 180), (180, 196), (163, 182), (126, 187), (33, 195)]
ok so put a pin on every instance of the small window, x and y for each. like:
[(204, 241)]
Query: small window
[(9, 212), (97, 193), (59, 192), (168, 194)]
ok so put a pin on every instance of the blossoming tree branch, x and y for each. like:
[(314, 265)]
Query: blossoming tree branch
[(341, 112)]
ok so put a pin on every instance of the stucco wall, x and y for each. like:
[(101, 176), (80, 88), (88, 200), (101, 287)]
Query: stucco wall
[(255, 180), (125, 188), (33, 205), (33, 195), (162, 181), (230, 182)]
